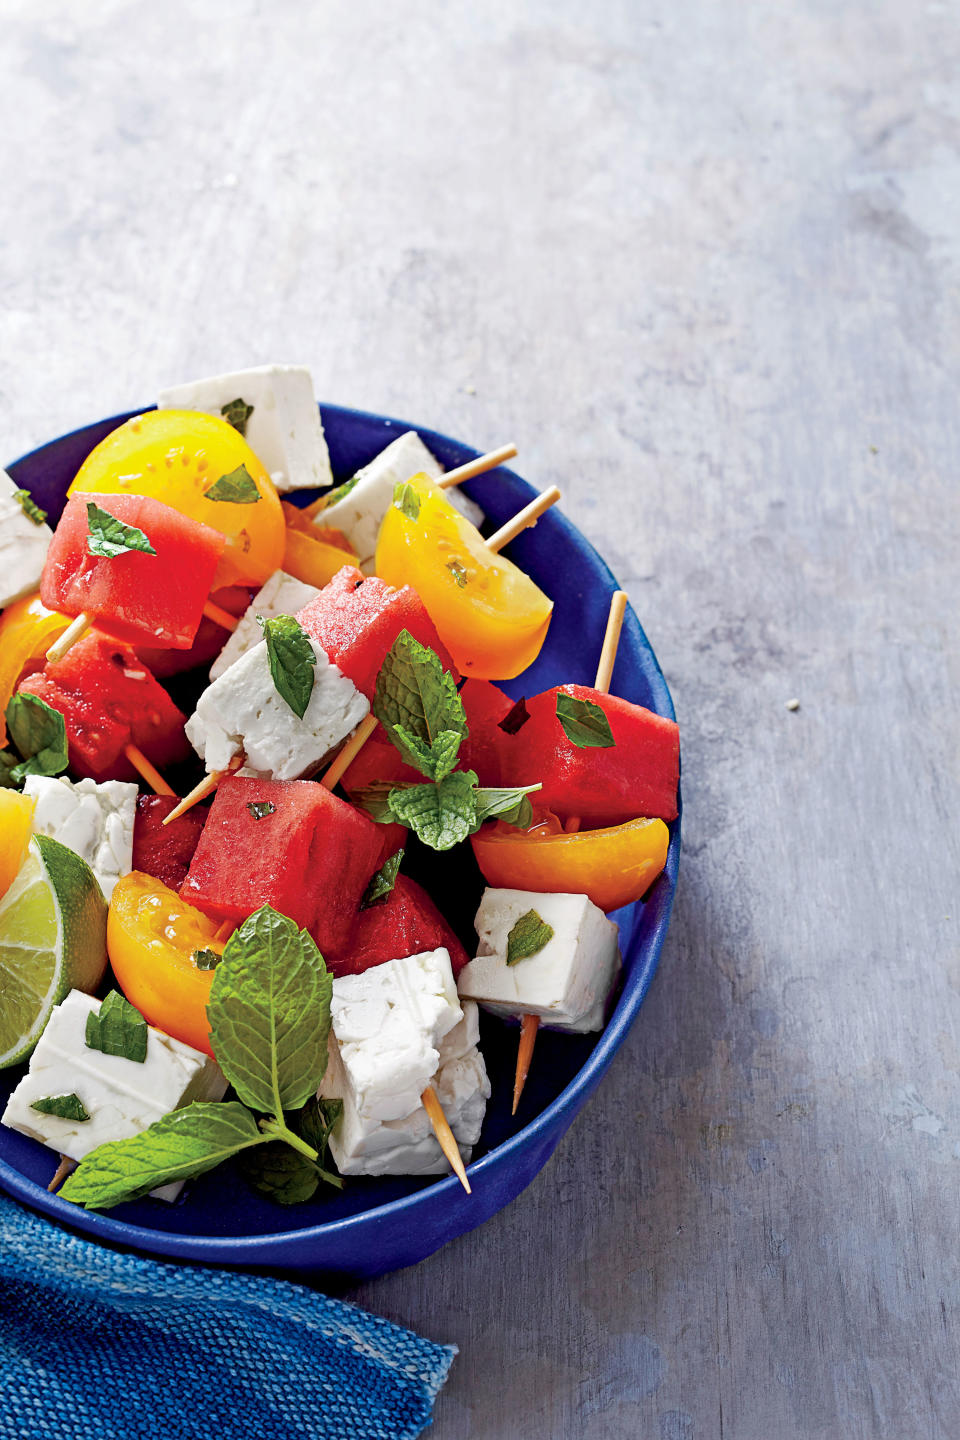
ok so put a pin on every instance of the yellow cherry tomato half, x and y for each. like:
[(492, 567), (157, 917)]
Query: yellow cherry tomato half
[(27, 630), (152, 937), (176, 456), (614, 866), (312, 554), (491, 617), (16, 817)]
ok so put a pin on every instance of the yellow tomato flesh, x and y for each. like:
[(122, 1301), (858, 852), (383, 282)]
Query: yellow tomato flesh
[(614, 866), (491, 617), (27, 630), (16, 817), (175, 456), (152, 936)]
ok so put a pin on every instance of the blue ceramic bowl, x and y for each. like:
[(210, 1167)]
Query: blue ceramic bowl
[(378, 1225)]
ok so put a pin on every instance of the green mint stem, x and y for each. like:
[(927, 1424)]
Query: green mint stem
[(277, 1130)]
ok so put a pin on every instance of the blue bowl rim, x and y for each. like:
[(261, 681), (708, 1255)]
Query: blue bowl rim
[(224, 1249)]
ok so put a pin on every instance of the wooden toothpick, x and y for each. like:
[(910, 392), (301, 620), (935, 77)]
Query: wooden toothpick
[(524, 518), (529, 1024), (78, 626), (480, 466), (445, 1136), (147, 770)]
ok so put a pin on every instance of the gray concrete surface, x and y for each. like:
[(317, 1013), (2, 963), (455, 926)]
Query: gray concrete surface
[(703, 263)]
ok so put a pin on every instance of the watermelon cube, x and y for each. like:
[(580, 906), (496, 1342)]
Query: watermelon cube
[(109, 700), (286, 843), (356, 619), (636, 776), (134, 596), (406, 922), (486, 705), (165, 851)]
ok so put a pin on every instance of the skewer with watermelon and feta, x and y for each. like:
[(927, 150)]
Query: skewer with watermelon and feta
[(548, 954)]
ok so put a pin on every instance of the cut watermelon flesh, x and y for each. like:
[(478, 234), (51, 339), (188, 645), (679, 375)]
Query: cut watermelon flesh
[(311, 856), (482, 750), (636, 776), (405, 923), (165, 851), (356, 618), (136, 597), (109, 700)]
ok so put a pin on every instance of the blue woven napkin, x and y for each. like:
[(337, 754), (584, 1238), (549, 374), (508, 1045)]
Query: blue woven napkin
[(103, 1345)]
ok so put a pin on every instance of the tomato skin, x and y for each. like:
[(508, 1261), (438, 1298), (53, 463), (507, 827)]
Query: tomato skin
[(27, 630), (175, 456), (613, 866), (491, 617), (151, 937)]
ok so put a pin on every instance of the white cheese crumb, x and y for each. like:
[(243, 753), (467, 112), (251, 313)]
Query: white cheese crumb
[(281, 594), (93, 819)]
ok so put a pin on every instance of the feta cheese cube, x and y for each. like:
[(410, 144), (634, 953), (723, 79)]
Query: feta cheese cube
[(566, 983), (122, 1097), (284, 429), (408, 1146), (94, 820), (242, 711), (282, 594), (362, 509), (23, 545), (388, 1023)]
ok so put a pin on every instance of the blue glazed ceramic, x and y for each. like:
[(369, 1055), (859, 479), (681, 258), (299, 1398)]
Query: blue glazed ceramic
[(378, 1225)]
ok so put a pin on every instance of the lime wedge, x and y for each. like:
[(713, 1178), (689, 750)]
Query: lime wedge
[(53, 929)]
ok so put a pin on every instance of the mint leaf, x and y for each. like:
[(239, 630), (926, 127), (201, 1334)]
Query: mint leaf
[(39, 733), (29, 506), (109, 537), (441, 815), (285, 1175), (236, 488), (182, 1144), (68, 1107), (515, 718), (435, 760), (292, 661), (406, 500), (259, 808), (528, 937), (119, 1029), (269, 1013), (237, 413), (340, 492), (206, 959), (375, 800), (414, 690), (584, 723), (458, 572), (383, 882), (8, 763), (509, 805)]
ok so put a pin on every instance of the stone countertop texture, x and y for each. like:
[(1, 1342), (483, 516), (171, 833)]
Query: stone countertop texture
[(702, 262)]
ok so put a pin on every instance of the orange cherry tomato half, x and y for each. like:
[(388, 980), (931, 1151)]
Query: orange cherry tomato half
[(614, 866), (16, 817), (311, 559), (152, 936), (491, 617), (176, 456), (27, 630)]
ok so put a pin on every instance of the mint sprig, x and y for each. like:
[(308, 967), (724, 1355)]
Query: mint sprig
[(238, 487), (340, 492), (406, 500), (119, 1029), (29, 506), (441, 814), (528, 937), (383, 881), (292, 661), (109, 537), (283, 1174), (40, 734), (584, 723), (269, 1017), (237, 413), (67, 1107)]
